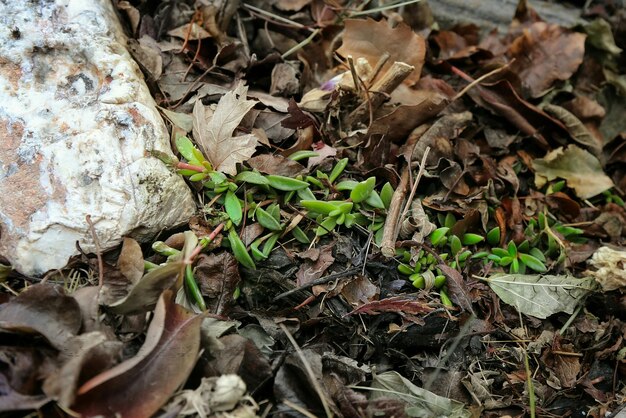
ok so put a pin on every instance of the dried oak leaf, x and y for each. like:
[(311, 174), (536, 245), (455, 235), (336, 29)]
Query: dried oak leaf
[(371, 40), (545, 53), (213, 130), (581, 170), (138, 387)]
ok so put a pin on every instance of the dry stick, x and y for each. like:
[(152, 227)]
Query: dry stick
[(381, 89), (309, 371), (98, 253), (417, 180), (394, 218), (390, 231)]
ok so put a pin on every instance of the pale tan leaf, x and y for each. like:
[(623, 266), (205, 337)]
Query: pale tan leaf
[(213, 130), (581, 170)]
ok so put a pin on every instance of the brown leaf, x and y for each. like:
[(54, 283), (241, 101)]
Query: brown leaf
[(130, 261), (139, 386), (359, 291), (213, 131), (581, 170), (370, 39), (397, 304), (545, 53), (85, 356), (240, 356), (317, 261), (144, 294), (218, 277), (457, 289), (44, 309), (276, 164)]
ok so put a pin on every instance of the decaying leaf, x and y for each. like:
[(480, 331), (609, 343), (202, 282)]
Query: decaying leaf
[(540, 295), (397, 304), (139, 386), (420, 402), (545, 53), (579, 168), (44, 309), (371, 40), (218, 277), (213, 130), (144, 295), (611, 268)]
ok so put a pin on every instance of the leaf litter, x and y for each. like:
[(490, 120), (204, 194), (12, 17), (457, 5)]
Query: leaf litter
[(462, 130)]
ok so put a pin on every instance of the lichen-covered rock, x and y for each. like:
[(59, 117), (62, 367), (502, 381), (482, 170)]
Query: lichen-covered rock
[(76, 120)]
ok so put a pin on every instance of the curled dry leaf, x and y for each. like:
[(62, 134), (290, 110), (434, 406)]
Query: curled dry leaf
[(43, 309), (371, 40), (139, 386), (213, 130), (581, 170), (396, 304), (610, 272)]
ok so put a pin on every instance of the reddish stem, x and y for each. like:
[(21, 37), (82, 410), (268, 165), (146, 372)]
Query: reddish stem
[(209, 239), (186, 166)]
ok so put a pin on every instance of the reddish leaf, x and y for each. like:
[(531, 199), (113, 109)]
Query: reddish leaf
[(397, 304), (139, 386), (43, 309)]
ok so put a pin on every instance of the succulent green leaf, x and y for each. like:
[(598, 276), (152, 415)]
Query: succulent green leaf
[(286, 184), (472, 239), (301, 155), (185, 147), (239, 250), (233, 207), (267, 220), (493, 236), (533, 263), (346, 185), (386, 194), (251, 177), (512, 249), (300, 235), (449, 221), (437, 236), (326, 226), (455, 244), (338, 169), (363, 190), (375, 201)]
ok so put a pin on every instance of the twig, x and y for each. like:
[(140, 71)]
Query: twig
[(316, 282), (98, 253), (390, 231), (381, 89), (309, 371), (473, 83), (417, 181)]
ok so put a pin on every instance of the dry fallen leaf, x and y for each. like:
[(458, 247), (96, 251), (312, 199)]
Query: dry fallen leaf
[(579, 168), (213, 130), (610, 271), (138, 387), (371, 40), (44, 309)]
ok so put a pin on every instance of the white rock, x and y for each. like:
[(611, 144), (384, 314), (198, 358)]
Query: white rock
[(76, 119)]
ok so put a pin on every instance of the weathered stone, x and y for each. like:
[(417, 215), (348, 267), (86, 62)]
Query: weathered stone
[(76, 119)]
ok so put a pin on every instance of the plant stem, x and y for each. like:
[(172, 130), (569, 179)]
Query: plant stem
[(186, 166)]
